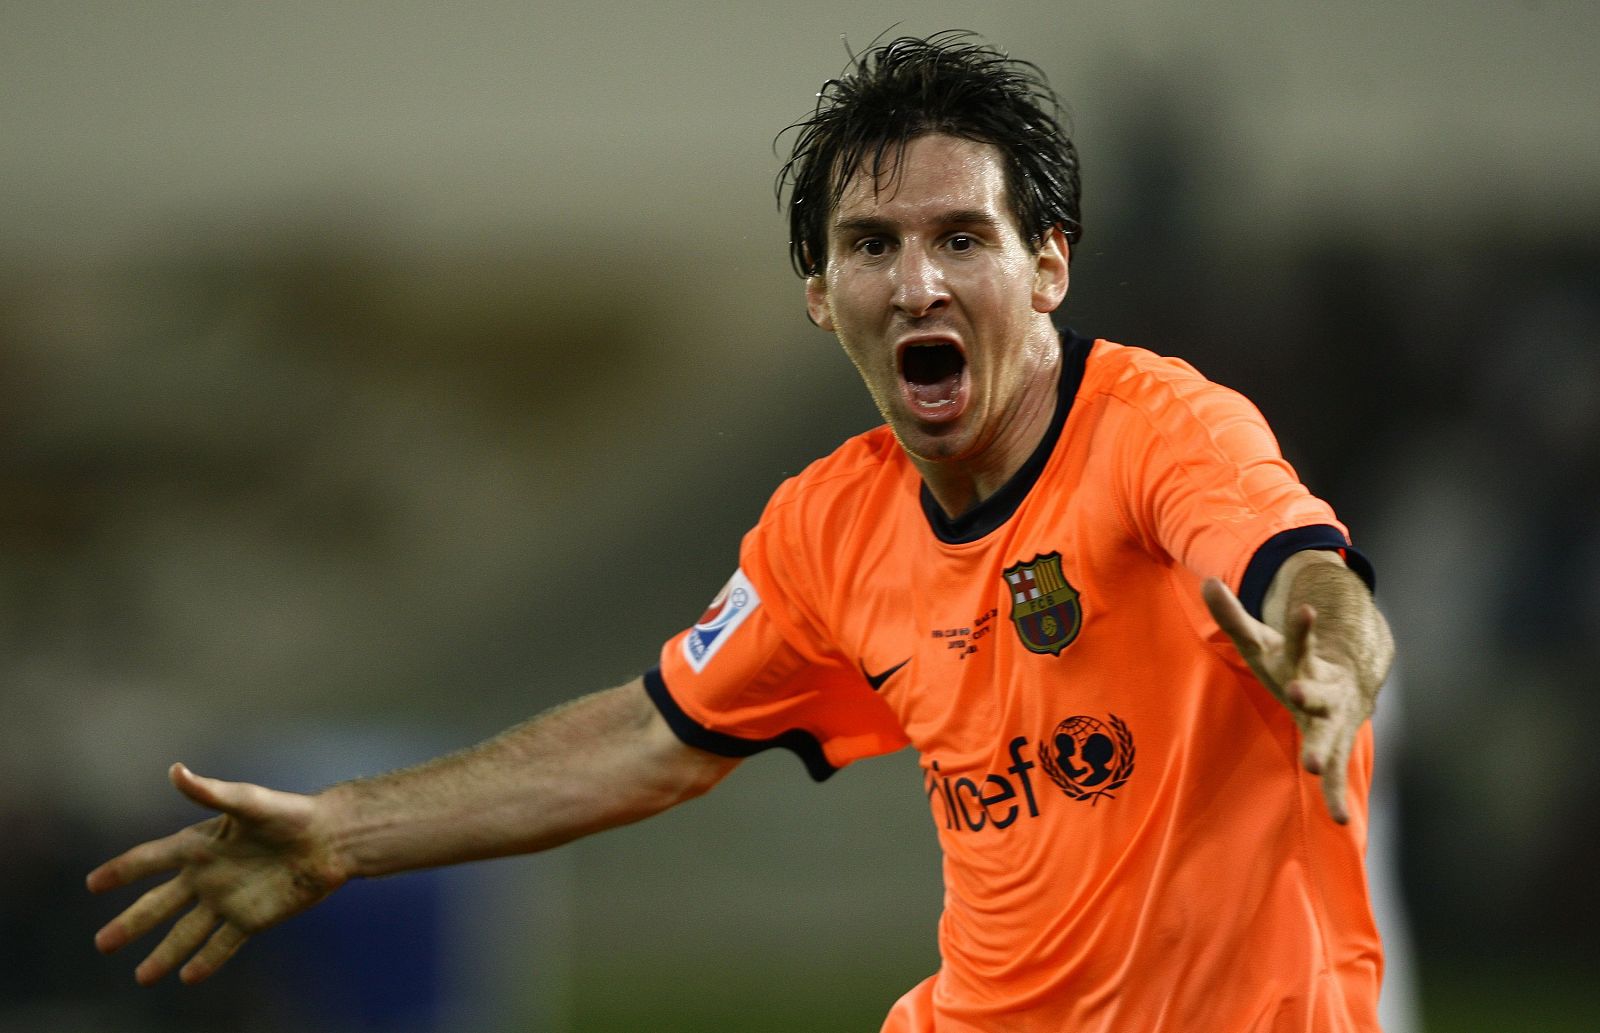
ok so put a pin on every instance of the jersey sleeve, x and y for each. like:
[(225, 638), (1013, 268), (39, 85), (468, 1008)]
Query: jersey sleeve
[(758, 670), (1207, 485)]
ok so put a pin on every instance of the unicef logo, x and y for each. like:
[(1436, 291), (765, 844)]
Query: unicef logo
[(1087, 758)]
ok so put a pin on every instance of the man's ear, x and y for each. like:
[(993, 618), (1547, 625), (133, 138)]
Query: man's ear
[(1050, 271), (817, 301)]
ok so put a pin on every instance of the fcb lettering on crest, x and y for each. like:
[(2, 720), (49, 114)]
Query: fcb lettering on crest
[(1044, 607)]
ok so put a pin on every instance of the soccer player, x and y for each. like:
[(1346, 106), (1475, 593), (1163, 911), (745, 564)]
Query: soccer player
[(1135, 655)]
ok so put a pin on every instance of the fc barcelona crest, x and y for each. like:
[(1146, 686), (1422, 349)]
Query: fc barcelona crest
[(1043, 606)]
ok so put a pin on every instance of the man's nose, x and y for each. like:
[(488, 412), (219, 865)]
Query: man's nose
[(920, 286)]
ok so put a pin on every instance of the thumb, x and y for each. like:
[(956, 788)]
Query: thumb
[(214, 793), (1227, 611)]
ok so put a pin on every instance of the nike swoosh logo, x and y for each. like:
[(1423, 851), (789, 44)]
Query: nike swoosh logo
[(877, 680)]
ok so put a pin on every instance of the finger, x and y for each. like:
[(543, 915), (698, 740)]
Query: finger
[(158, 855), (1299, 630), (142, 915), (242, 799), (1308, 697), (224, 943), (1319, 735), (1231, 615), (1333, 786), (181, 941), (207, 792)]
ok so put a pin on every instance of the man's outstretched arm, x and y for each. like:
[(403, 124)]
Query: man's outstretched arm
[(1323, 649), (592, 764)]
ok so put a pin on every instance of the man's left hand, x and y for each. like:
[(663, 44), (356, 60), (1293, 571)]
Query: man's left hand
[(1325, 694)]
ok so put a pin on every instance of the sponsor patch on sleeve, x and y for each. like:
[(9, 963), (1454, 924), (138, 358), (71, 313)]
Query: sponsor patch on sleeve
[(737, 600)]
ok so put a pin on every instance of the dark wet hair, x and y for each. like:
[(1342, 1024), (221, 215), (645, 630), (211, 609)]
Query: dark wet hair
[(949, 83)]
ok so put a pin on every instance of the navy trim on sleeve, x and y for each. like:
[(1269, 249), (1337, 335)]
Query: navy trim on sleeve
[(1265, 563), (801, 743)]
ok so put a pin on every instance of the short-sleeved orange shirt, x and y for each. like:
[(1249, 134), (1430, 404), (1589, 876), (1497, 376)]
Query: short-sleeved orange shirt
[(1130, 843)]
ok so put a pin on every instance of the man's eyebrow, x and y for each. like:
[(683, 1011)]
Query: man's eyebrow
[(969, 217), (860, 224), (954, 217)]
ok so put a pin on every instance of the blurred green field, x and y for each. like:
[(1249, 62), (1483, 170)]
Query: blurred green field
[(1516, 997), (816, 997), (812, 997)]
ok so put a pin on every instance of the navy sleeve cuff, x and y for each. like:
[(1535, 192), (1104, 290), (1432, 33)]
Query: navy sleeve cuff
[(801, 743), (1265, 563)]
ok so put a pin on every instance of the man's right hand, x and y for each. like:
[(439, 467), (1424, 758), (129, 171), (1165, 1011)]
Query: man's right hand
[(265, 856), (598, 762)]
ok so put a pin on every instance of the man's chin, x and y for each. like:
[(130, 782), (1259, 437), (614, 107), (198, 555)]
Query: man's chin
[(931, 443)]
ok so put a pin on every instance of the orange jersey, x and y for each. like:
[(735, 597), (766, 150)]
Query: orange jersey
[(1130, 843)]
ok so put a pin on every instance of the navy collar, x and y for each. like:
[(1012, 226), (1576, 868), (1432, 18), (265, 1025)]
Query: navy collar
[(995, 510)]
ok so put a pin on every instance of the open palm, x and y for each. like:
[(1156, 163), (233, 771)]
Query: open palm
[(261, 859)]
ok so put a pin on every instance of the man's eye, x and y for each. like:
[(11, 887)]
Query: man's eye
[(872, 247), (962, 242)]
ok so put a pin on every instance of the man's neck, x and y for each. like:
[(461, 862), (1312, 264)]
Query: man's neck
[(958, 486)]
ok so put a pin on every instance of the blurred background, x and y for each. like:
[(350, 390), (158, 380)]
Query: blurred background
[(373, 376)]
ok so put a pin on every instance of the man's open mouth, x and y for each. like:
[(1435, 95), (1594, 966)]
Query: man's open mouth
[(933, 379)]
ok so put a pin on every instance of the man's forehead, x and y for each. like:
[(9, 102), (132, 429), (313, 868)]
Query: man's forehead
[(931, 170)]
